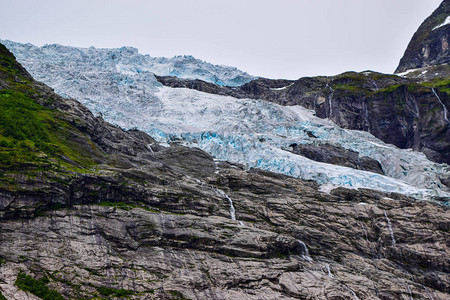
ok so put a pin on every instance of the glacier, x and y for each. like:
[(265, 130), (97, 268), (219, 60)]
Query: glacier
[(128, 61), (254, 133)]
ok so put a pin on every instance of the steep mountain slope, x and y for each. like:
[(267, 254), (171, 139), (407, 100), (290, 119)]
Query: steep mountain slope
[(251, 132), (429, 45), (98, 212)]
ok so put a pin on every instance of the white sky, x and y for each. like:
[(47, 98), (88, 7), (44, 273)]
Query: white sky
[(269, 38)]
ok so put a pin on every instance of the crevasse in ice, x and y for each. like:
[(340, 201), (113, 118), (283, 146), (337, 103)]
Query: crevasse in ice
[(252, 132)]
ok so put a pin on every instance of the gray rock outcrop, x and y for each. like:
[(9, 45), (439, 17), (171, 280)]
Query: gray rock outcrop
[(429, 45)]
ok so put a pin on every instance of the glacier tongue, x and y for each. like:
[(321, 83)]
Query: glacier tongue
[(118, 84), (254, 133)]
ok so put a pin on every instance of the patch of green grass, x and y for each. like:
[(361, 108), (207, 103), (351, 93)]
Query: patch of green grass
[(177, 295), (2, 297), (37, 287), (121, 293), (443, 85), (348, 87), (129, 206), (389, 89), (120, 205), (31, 134), (355, 76), (10, 67)]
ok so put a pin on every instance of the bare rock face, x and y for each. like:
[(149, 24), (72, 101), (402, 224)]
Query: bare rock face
[(118, 215), (429, 45), (337, 155), (288, 241)]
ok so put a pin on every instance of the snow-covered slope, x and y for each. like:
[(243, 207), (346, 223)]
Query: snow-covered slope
[(251, 132), (126, 61)]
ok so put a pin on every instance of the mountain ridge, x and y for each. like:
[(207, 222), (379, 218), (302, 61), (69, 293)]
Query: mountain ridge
[(429, 44)]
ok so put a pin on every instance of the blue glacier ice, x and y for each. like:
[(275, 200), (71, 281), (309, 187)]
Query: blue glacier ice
[(125, 61), (254, 133)]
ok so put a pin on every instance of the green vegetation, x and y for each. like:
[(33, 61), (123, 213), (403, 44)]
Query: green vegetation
[(390, 89), (37, 287), (24, 120), (2, 297), (37, 141), (32, 133), (443, 85), (119, 205), (12, 73), (177, 295), (8, 64), (350, 82), (129, 206), (348, 87), (107, 291), (353, 83), (125, 206)]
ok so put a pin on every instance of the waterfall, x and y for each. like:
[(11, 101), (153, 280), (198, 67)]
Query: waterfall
[(232, 209), (304, 252), (409, 291), (443, 106), (390, 228), (330, 108), (365, 232), (428, 292), (366, 115), (329, 270), (222, 194), (353, 293)]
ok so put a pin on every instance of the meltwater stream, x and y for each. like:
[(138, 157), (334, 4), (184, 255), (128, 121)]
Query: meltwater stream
[(222, 194), (443, 106), (390, 228), (232, 209), (304, 252)]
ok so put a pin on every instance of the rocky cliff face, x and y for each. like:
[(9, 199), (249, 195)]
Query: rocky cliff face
[(89, 210), (429, 45)]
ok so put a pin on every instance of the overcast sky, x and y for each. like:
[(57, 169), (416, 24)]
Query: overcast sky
[(269, 38)]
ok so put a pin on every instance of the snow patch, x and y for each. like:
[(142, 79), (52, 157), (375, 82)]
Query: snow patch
[(446, 22), (282, 88), (402, 74)]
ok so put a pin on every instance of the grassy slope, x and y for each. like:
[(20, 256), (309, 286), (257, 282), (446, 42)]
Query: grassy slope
[(34, 137)]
